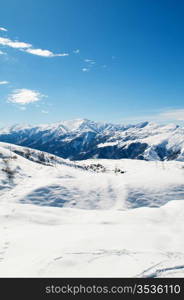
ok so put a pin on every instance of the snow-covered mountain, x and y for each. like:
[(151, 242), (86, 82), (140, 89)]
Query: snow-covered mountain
[(92, 218), (83, 139)]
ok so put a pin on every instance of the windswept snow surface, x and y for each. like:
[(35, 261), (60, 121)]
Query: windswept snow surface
[(77, 219)]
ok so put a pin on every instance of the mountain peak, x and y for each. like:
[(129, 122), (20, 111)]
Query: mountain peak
[(75, 124)]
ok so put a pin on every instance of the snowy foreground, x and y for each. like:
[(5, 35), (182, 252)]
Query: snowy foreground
[(67, 220)]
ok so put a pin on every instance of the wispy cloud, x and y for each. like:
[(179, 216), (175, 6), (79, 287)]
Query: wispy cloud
[(27, 47), (77, 51), (3, 29), (14, 44), (44, 53), (24, 96), (168, 115), (89, 65), (45, 111), (176, 114), (2, 52), (85, 69), (90, 61), (3, 82)]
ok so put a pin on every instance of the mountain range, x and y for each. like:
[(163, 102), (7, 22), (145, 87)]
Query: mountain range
[(84, 139)]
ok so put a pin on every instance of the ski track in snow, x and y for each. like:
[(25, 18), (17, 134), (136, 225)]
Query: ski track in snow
[(159, 270)]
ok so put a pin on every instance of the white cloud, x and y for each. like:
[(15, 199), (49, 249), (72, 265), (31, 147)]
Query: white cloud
[(44, 53), (176, 114), (85, 69), (2, 53), (28, 48), (62, 54), (44, 111), (90, 61), (169, 115), (3, 29), (13, 44), (3, 82), (77, 51), (24, 96)]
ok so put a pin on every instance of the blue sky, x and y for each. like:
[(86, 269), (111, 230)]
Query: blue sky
[(105, 60)]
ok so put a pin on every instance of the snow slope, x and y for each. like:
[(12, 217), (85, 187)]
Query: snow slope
[(59, 182), (89, 218), (65, 242)]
